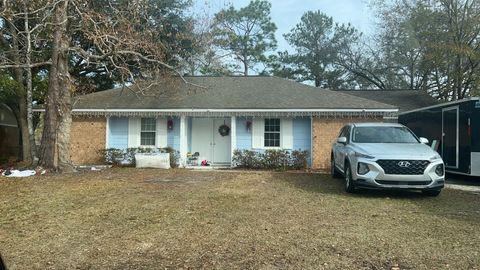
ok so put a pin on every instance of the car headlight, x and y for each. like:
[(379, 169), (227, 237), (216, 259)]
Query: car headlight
[(360, 155), (362, 168), (439, 170), (435, 157)]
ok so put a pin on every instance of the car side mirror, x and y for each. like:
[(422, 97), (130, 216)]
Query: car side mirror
[(423, 140), (342, 140)]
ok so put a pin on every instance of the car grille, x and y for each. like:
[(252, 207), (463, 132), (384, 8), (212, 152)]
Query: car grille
[(410, 167), (403, 183)]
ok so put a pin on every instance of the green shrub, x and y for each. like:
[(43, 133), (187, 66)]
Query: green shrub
[(275, 159), (271, 159), (174, 156), (126, 157), (246, 159), (113, 156), (299, 159)]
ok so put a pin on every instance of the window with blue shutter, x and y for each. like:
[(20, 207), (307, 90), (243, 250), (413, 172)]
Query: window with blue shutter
[(272, 132), (148, 128)]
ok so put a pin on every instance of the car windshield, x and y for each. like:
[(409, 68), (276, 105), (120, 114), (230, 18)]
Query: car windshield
[(383, 135)]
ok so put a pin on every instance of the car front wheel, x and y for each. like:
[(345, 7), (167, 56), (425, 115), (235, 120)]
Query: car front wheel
[(349, 185)]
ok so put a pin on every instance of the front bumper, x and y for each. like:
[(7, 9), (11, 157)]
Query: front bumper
[(377, 178)]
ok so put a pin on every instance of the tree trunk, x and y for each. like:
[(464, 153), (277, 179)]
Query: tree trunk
[(55, 149), (245, 62), (318, 81), (29, 87)]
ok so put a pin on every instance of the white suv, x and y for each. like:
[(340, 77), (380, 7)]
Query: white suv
[(386, 156)]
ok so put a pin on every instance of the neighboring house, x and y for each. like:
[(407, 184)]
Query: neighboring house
[(404, 100), (9, 134), (261, 113)]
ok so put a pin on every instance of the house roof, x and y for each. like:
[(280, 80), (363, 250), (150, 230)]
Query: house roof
[(404, 100), (232, 93)]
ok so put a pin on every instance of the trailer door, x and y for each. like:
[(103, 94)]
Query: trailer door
[(450, 130)]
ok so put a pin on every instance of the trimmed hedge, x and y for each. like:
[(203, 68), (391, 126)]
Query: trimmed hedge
[(119, 157), (271, 159)]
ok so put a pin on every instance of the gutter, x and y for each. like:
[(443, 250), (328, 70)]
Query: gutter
[(226, 110)]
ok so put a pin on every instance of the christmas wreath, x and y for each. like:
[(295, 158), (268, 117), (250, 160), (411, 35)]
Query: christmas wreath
[(224, 130)]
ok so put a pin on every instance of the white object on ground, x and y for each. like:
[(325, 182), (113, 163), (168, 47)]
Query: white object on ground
[(95, 169), (156, 160), (17, 173)]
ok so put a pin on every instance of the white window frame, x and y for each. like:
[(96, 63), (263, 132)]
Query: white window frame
[(154, 131), (276, 132)]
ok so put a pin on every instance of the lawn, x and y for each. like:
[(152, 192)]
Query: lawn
[(153, 219)]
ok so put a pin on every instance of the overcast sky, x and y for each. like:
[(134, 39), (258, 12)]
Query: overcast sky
[(287, 13)]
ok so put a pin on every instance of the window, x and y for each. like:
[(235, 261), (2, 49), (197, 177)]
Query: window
[(379, 134), (272, 132), (148, 131)]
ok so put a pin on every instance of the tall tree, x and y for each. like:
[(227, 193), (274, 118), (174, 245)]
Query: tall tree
[(20, 44), (318, 43), (123, 38), (202, 57), (167, 20), (425, 44), (247, 33)]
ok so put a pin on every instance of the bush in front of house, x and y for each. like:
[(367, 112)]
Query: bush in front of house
[(119, 157), (275, 159), (247, 159), (299, 159), (112, 156), (271, 159)]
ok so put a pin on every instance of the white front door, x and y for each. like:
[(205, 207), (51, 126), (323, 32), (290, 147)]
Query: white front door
[(202, 138), (221, 144), (208, 142)]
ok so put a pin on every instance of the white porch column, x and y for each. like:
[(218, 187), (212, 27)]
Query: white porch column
[(183, 141), (233, 137)]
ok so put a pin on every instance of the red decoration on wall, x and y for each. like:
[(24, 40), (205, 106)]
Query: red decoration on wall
[(249, 126), (170, 124)]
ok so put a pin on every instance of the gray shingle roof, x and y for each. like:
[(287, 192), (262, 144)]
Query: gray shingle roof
[(253, 92), (404, 100)]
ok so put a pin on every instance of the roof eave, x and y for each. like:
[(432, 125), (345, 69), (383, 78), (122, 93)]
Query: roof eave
[(340, 112)]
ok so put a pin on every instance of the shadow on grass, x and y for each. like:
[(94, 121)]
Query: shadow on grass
[(325, 184), (451, 204), (462, 180)]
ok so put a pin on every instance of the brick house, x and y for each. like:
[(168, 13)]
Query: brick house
[(258, 112)]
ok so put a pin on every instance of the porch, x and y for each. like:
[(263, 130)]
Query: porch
[(197, 139), (209, 138)]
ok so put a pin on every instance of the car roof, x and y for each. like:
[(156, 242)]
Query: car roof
[(376, 124)]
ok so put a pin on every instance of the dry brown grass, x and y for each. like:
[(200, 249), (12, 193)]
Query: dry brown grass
[(151, 219)]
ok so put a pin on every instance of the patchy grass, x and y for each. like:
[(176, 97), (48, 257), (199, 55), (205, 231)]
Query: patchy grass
[(130, 219)]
